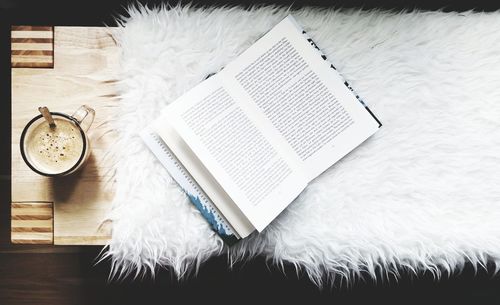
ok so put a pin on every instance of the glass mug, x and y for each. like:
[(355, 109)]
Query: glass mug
[(60, 150)]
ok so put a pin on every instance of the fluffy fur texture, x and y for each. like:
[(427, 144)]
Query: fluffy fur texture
[(421, 194)]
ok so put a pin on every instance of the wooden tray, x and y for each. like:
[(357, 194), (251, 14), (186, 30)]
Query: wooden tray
[(63, 68)]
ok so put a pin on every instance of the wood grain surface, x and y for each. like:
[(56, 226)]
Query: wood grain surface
[(32, 46), (32, 223), (84, 72)]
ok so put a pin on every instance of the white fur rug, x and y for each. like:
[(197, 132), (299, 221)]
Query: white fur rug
[(422, 194)]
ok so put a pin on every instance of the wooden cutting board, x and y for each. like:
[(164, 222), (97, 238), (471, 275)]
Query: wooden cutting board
[(63, 68)]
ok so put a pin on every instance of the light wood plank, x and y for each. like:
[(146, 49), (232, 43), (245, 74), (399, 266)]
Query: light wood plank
[(32, 34), (82, 240), (32, 46), (31, 211), (32, 238), (36, 223), (31, 58)]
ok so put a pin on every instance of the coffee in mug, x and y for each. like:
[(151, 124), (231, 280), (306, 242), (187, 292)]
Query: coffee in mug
[(59, 148)]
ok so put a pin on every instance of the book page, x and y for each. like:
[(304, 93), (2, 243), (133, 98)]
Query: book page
[(276, 118), (301, 97), (240, 156), (203, 178)]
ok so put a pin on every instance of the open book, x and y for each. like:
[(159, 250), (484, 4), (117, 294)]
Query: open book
[(245, 142)]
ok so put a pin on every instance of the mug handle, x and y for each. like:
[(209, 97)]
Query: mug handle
[(84, 116)]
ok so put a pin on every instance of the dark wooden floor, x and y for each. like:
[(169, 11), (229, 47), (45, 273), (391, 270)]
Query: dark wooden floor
[(68, 275), (61, 275)]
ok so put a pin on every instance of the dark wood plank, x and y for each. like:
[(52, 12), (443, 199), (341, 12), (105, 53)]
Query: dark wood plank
[(31, 230), (31, 28), (32, 65), (30, 40), (43, 204), (32, 52)]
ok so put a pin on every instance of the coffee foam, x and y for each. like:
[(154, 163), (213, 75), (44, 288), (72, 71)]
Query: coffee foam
[(54, 150)]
